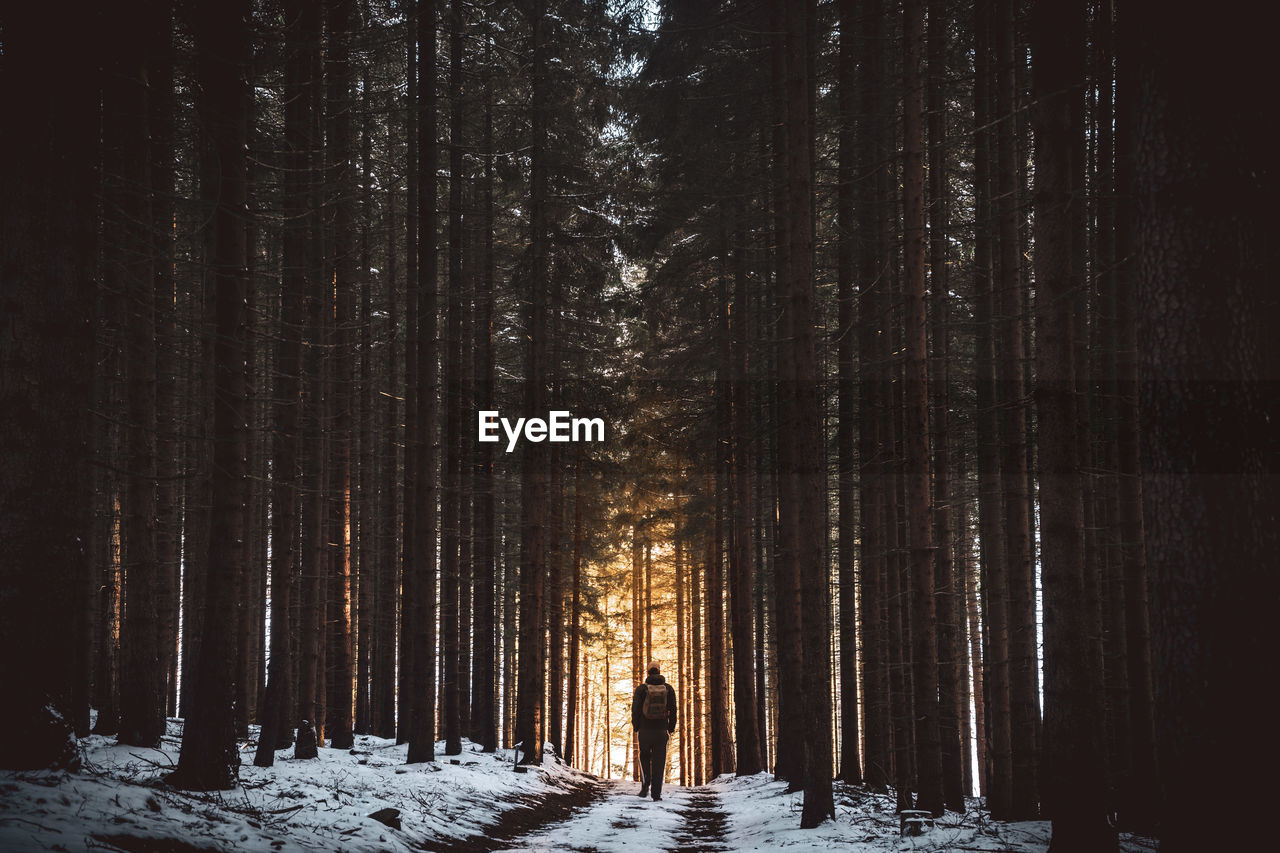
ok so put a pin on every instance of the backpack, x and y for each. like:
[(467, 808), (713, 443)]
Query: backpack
[(655, 702)]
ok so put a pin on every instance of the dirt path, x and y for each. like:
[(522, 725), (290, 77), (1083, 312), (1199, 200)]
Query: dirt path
[(610, 819), (534, 814), (704, 824)]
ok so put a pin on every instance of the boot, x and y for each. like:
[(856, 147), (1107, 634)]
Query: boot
[(644, 789)]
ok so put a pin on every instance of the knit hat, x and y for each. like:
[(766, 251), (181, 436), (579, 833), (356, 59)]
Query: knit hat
[(654, 669)]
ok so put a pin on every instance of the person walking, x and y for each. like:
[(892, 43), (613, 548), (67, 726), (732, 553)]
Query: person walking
[(653, 715)]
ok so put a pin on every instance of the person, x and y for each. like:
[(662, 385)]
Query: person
[(653, 715)]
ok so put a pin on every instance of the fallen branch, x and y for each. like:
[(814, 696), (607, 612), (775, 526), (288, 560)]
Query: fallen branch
[(286, 810), (169, 766)]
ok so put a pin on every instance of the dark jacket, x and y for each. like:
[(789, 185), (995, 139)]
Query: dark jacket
[(638, 719)]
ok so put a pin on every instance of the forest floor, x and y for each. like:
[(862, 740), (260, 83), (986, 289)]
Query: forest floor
[(118, 801)]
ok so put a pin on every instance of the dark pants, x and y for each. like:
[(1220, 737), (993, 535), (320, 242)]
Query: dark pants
[(653, 759)]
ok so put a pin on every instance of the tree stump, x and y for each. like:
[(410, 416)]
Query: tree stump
[(911, 822), (306, 747)]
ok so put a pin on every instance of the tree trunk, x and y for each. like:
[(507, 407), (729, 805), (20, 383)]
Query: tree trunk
[(950, 653), (510, 582), (209, 759), (199, 498), (764, 519), (406, 701), (1073, 795), (162, 118), (276, 731), (721, 742), (314, 463), (311, 621), (105, 557), (696, 722), (741, 570), (994, 583), (682, 647), (421, 608), (720, 460), (850, 767), (1146, 778), (965, 651), (1107, 542), (897, 591), (1207, 311), (808, 458), (129, 271), (47, 247), (339, 659), (465, 510), (383, 682), (484, 706), (533, 487), (637, 627), (790, 749), (967, 575), (246, 655), (555, 688), (871, 286), (924, 637), (365, 486), (107, 631), (1023, 677), (575, 615), (451, 496)]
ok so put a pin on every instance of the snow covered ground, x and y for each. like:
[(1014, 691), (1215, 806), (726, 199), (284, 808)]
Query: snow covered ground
[(119, 801), (759, 815), (292, 807), (763, 816)]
